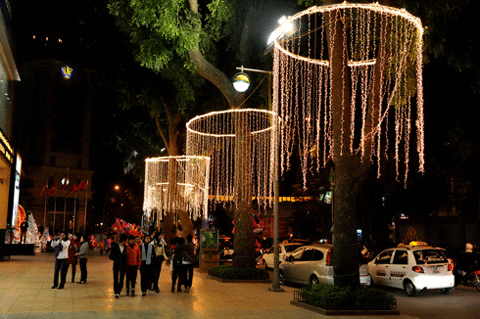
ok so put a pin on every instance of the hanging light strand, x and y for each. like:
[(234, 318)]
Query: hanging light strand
[(383, 48)]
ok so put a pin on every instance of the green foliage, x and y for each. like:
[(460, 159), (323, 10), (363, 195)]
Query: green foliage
[(345, 298), (329, 297), (307, 3), (229, 272), (164, 30), (374, 299)]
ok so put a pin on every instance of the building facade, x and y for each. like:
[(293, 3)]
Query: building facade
[(8, 152), (56, 119)]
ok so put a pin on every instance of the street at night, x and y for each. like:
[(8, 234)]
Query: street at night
[(330, 146)]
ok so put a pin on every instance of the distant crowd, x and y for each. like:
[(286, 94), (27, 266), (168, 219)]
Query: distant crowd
[(130, 255)]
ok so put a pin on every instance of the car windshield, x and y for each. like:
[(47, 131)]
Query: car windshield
[(290, 248), (429, 256)]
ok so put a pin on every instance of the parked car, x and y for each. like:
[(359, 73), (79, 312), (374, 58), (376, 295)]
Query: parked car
[(225, 249), (412, 268), (310, 265), (284, 249)]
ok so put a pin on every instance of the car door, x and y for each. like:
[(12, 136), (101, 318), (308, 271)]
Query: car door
[(320, 269), (303, 267), (398, 268), (268, 257), (380, 272), (290, 264)]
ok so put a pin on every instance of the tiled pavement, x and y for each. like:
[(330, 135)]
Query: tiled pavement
[(25, 283)]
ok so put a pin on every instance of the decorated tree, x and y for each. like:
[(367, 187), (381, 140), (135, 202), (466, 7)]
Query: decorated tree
[(348, 87)]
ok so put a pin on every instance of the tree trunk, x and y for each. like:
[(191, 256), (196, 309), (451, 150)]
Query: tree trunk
[(349, 171), (173, 144), (244, 256)]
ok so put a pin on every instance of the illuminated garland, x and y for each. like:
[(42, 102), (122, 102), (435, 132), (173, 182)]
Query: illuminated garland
[(192, 174), (216, 135), (302, 85)]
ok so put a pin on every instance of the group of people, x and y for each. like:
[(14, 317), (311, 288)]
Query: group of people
[(147, 256), (69, 250)]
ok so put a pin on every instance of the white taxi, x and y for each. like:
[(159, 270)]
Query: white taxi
[(412, 268)]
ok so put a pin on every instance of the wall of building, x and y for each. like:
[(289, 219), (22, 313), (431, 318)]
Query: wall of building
[(56, 142), (8, 75)]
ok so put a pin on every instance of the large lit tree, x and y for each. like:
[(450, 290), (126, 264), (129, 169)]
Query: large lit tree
[(353, 163)]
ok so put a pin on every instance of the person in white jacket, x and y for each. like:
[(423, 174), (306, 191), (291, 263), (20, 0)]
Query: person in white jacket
[(60, 244)]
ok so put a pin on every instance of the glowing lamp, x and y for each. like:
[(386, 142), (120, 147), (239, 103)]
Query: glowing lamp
[(241, 82)]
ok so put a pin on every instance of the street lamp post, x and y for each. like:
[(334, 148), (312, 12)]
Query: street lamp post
[(242, 81)]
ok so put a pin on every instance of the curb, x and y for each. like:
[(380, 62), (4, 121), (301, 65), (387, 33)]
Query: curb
[(238, 280), (345, 312)]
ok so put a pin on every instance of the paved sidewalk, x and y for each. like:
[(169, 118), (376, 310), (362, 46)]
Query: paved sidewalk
[(25, 283)]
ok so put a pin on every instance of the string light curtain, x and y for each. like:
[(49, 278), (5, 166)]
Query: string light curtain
[(191, 191), (216, 135), (302, 85)]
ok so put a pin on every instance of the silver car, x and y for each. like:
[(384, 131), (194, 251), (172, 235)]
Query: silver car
[(284, 250), (310, 265)]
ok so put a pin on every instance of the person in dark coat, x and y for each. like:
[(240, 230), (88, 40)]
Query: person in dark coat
[(23, 230), (177, 259), (188, 263), (118, 254)]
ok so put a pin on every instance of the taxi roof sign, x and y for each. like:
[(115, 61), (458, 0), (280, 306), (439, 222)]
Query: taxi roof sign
[(418, 243)]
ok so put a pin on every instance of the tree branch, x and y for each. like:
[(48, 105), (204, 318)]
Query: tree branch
[(211, 73)]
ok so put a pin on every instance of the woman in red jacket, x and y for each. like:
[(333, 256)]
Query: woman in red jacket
[(134, 260), (72, 259)]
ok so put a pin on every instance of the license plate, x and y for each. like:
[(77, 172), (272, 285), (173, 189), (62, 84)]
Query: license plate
[(437, 269)]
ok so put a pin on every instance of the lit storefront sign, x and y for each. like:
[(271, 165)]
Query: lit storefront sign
[(16, 191), (5, 148)]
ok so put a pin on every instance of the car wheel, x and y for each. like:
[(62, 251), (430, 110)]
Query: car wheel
[(314, 281), (409, 288), (446, 291), (281, 278), (265, 264)]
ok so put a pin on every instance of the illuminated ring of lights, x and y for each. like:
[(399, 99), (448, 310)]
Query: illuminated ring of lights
[(159, 187), (180, 158), (200, 118), (345, 5)]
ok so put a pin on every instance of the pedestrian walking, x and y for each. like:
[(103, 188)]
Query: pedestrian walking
[(177, 264), (188, 263), (72, 251), (82, 259), (134, 262), (146, 270), (61, 244), (118, 254), (160, 255)]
